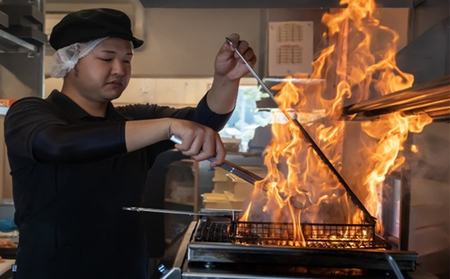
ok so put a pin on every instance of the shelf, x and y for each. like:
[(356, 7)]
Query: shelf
[(4, 19), (22, 15), (28, 34), (10, 43)]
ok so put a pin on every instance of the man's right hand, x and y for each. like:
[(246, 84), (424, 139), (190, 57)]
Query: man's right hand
[(198, 141)]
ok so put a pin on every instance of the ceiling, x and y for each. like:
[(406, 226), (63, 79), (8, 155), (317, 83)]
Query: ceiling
[(265, 3), (86, 1), (241, 3)]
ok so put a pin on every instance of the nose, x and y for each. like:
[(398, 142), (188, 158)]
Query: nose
[(119, 69)]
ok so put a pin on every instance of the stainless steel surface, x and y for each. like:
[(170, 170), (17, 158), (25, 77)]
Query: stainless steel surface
[(175, 270), (394, 266), (431, 97), (295, 256)]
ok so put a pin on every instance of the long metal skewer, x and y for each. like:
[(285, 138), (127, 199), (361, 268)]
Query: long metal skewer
[(308, 138), (263, 85), (216, 213)]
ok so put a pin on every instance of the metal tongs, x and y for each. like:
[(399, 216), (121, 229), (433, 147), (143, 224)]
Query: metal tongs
[(240, 172)]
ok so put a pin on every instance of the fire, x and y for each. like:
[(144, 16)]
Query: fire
[(414, 148), (300, 187)]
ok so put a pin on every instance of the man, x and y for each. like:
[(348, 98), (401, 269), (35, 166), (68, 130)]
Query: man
[(76, 160)]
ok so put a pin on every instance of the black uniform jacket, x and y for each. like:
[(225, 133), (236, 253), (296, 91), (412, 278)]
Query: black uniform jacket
[(69, 208)]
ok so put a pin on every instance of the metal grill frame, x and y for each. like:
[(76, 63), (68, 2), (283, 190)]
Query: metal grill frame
[(312, 235), (315, 235)]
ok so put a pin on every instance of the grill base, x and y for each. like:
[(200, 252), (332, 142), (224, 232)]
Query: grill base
[(299, 257), (187, 258), (253, 271), (271, 243)]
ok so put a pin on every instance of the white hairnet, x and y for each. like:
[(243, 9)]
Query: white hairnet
[(65, 59)]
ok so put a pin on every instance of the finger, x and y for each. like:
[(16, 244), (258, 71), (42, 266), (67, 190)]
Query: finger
[(226, 50), (250, 56), (196, 146), (207, 148), (242, 47), (186, 137), (185, 145), (202, 156), (234, 38), (252, 60), (220, 153)]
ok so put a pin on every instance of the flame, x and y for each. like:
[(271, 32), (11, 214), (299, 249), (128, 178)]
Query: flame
[(414, 148), (356, 66)]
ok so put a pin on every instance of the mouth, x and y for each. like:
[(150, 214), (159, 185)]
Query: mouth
[(116, 84)]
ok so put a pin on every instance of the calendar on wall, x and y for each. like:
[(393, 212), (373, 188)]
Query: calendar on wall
[(290, 48)]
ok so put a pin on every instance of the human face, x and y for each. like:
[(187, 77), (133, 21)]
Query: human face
[(104, 73)]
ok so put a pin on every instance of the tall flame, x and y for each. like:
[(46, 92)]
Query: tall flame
[(300, 188)]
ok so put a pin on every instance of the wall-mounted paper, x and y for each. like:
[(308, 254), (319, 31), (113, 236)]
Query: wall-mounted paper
[(290, 48)]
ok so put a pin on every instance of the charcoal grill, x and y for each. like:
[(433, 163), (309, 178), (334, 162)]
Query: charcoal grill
[(285, 234), (222, 248)]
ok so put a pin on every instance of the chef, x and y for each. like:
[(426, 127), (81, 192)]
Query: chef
[(76, 160)]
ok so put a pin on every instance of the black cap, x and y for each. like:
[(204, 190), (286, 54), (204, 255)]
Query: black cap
[(87, 25)]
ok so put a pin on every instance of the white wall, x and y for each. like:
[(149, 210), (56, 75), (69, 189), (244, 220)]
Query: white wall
[(174, 92), (184, 42)]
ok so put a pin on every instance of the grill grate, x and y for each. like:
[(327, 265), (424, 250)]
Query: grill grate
[(213, 232), (286, 234), (339, 236)]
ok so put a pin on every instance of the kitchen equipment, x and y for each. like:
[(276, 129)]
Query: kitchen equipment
[(220, 248), (431, 97)]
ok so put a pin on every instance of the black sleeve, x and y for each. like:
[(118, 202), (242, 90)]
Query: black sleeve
[(201, 114), (205, 116), (80, 143), (34, 129)]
